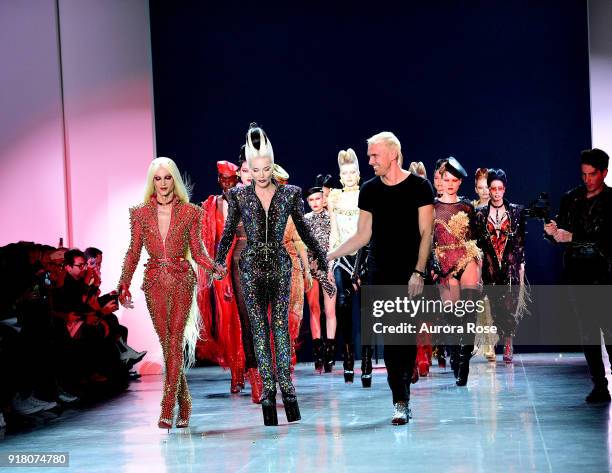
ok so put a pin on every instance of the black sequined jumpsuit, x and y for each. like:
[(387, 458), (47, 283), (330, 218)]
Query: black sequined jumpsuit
[(265, 271)]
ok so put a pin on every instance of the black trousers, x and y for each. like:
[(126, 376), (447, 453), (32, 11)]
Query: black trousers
[(399, 359), (593, 320), (116, 329), (583, 275), (344, 304)]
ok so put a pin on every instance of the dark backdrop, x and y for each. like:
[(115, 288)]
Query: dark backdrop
[(497, 84)]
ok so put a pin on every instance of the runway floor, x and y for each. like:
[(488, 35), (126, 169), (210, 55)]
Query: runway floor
[(529, 416)]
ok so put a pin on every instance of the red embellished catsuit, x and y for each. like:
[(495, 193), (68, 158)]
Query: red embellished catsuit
[(168, 284)]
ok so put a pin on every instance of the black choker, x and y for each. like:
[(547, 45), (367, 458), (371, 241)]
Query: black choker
[(497, 206), (167, 203)]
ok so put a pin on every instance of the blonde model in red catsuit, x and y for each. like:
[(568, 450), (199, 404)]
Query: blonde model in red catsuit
[(168, 226)]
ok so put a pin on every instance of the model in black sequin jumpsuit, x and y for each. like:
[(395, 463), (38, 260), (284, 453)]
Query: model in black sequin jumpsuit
[(265, 272)]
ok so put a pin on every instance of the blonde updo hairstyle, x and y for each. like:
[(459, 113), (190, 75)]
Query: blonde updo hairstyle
[(418, 168), (348, 157)]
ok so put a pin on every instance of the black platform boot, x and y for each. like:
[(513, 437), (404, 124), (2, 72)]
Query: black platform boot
[(292, 410), (268, 407), (330, 353), (464, 352), (317, 354), (366, 366), (349, 362), (463, 369)]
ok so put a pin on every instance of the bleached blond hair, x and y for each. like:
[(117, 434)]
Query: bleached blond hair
[(391, 141)]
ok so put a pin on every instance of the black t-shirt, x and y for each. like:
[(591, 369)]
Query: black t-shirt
[(394, 246)]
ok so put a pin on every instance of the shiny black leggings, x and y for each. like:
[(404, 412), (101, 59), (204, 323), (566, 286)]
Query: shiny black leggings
[(344, 304)]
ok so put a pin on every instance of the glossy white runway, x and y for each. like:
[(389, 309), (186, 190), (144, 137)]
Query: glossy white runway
[(529, 416)]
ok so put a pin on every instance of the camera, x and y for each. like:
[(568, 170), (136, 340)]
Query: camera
[(539, 208)]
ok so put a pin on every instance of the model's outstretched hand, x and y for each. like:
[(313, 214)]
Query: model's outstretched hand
[(125, 297)]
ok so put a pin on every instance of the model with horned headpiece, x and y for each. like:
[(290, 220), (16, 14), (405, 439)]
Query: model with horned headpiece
[(265, 266)]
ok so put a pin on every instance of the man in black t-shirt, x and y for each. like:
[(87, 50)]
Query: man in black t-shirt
[(396, 216)]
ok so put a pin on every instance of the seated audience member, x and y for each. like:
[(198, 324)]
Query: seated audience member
[(91, 334), (106, 305), (24, 340)]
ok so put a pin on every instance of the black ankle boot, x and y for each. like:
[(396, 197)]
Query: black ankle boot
[(292, 410), (330, 353), (463, 369), (268, 407), (317, 354), (366, 366), (349, 362)]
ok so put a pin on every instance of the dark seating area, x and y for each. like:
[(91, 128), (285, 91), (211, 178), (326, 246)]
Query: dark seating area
[(61, 344)]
